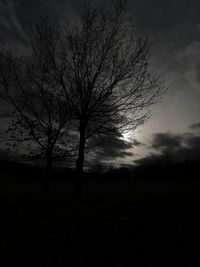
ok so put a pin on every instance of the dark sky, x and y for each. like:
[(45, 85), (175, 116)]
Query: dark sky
[(174, 30)]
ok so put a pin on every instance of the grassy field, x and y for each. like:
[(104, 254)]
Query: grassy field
[(110, 224)]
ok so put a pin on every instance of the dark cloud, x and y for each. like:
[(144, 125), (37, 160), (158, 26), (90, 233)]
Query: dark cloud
[(174, 148), (195, 126), (110, 147), (136, 143), (193, 142), (166, 141)]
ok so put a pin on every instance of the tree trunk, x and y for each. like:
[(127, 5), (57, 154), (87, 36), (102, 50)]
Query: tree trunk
[(49, 163), (80, 163)]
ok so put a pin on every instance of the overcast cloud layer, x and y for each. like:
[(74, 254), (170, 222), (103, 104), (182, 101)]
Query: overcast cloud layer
[(174, 30)]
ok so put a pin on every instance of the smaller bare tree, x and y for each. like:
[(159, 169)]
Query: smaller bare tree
[(41, 117)]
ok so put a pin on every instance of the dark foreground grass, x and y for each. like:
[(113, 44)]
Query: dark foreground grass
[(111, 224)]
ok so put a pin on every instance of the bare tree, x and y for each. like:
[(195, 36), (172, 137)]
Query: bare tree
[(41, 117), (94, 73), (107, 81)]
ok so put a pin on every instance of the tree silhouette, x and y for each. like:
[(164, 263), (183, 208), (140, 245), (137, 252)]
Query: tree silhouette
[(41, 117), (107, 81), (93, 76)]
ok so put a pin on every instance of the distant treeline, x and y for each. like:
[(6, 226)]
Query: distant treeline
[(166, 171), (29, 172), (187, 170)]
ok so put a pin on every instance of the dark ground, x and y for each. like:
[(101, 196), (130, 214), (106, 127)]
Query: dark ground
[(111, 224)]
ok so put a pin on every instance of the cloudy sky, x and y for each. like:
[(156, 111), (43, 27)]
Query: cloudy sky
[(174, 30)]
